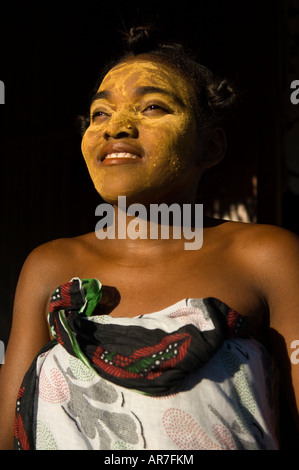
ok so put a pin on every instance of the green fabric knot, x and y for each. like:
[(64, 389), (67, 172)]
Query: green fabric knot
[(93, 293)]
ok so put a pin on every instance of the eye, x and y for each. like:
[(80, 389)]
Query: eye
[(99, 115), (156, 109)]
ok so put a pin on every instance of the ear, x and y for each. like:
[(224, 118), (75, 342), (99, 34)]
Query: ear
[(214, 147)]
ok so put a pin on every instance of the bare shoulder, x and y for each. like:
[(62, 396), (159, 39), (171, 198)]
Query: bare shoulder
[(45, 267), (270, 254), (277, 248), (275, 255), (261, 242), (52, 263), (267, 255), (55, 249)]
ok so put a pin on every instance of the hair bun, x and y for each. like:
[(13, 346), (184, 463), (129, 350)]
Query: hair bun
[(141, 39), (224, 89), (221, 95)]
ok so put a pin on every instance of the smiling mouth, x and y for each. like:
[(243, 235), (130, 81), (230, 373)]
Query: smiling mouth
[(119, 157)]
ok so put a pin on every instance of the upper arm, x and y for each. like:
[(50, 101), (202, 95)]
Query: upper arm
[(279, 278), (29, 333)]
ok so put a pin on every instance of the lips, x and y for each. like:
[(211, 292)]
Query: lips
[(120, 153), (120, 158)]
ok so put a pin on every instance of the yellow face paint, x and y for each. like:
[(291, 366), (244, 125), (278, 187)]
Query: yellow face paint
[(147, 105)]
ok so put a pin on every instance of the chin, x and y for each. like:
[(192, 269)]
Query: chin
[(135, 193)]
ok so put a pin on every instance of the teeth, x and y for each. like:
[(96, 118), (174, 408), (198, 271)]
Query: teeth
[(121, 155)]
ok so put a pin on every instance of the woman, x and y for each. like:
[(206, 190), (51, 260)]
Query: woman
[(132, 365)]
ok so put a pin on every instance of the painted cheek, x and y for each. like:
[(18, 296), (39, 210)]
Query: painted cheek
[(86, 147), (172, 141), (90, 140)]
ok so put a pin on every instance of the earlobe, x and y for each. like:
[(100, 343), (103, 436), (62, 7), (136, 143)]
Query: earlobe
[(214, 147)]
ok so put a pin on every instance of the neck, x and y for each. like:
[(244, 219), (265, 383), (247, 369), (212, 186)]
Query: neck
[(137, 226)]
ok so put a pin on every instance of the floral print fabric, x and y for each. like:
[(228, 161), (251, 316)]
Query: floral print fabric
[(188, 377)]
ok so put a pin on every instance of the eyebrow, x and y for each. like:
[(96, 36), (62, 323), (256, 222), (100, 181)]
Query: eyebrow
[(105, 95), (141, 91), (146, 90)]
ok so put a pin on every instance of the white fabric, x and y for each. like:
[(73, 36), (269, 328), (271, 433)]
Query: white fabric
[(227, 404)]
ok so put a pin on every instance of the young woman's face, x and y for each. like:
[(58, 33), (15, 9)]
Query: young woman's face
[(143, 141)]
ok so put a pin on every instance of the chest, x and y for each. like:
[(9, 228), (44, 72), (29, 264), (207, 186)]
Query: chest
[(131, 291)]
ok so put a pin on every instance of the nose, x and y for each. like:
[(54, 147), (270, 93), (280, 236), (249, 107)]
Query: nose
[(120, 128)]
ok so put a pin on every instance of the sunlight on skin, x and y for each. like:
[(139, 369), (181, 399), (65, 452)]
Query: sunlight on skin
[(162, 128)]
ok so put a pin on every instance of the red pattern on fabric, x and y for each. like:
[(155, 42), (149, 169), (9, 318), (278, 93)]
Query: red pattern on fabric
[(53, 389), (20, 393), (149, 350), (57, 333), (116, 368), (185, 432), (20, 434), (224, 437), (64, 301), (232, 320)]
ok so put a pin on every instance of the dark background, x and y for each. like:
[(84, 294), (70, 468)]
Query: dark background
[(50, 57)]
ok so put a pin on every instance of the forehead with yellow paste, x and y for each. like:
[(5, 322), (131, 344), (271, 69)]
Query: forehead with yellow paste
[(135, 72)]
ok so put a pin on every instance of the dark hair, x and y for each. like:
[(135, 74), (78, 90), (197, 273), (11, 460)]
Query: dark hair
[(214, 97)]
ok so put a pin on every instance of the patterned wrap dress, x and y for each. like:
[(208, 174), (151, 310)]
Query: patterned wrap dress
[(189, 377)]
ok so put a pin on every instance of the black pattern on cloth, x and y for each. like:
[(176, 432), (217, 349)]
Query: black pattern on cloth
[(152, 361)]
